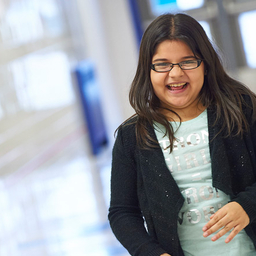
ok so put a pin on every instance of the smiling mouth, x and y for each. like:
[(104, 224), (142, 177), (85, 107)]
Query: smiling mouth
[(176, 87)]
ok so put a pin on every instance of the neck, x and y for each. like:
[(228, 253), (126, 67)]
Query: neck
[(185, 114)]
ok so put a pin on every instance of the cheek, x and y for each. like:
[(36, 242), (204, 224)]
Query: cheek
[(202, 79), (199, 79), (202, 75), (157, 78)]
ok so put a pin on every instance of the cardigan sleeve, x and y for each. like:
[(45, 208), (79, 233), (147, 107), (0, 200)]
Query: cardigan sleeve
[(234, 160), (247, 198), (125, 216)]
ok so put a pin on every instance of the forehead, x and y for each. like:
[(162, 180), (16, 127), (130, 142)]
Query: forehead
[(174, 49)]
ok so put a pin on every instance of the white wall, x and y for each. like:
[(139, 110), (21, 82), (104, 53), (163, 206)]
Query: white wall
[(248, 77), (111, 43)]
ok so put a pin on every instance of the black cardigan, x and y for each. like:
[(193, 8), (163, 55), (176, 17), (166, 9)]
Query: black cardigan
[(145, 199)]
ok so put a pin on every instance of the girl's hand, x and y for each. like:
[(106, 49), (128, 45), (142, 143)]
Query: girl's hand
[(230, 217), (165, 254)]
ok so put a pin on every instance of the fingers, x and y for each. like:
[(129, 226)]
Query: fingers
[(231, 217), (225, 230), (234, 232), (218, 222)]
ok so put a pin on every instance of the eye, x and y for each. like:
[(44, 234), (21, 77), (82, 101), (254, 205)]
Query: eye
[(163, 64), (188, 62)]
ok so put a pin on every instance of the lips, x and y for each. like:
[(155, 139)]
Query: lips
[(176, 87)]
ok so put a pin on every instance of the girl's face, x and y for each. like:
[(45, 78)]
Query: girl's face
[(177, 89)]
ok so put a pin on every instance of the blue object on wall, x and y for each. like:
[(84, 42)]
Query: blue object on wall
[(162, 2), (90, 98), (136, 20)]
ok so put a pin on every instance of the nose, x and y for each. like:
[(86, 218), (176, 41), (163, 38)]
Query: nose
[(176, 71)]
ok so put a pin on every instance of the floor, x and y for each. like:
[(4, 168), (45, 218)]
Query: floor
[(56, 204), (54, 194)]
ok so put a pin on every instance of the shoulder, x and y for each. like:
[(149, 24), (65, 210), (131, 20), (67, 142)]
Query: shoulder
[(249, 107), (126, 135), (127, 128), (248, 99)]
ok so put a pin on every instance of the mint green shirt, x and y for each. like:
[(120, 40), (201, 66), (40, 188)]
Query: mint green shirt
[(190, 165)]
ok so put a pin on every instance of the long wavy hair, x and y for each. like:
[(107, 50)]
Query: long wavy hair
[(219, 88)]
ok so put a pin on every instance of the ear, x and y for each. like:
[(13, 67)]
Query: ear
[(205, 72)]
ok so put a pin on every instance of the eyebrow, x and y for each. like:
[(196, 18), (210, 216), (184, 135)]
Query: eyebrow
[(185, 57)]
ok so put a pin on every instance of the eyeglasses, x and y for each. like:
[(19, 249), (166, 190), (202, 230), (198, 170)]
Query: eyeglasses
[(184, 65)]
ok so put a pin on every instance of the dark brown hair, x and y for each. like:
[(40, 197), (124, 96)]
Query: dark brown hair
[(219, 89)]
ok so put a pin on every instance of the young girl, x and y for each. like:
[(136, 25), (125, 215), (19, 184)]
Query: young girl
[(184, 167)]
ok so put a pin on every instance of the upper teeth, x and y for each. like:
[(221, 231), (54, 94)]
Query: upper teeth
[(177, 85)]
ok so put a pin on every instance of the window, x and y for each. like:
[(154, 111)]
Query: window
[(42, 81), (247, 23), (207, 29), (159, 7), (29, 21)]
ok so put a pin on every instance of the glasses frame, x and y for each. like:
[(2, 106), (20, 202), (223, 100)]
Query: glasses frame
[(178, 64)]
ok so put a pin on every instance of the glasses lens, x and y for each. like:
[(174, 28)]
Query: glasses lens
[(190, 64), (162, 67)]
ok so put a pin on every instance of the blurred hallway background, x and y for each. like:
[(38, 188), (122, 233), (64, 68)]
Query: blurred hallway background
[(57, 129)]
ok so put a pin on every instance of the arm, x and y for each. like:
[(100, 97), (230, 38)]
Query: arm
[(241, 211), (125, 215)]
